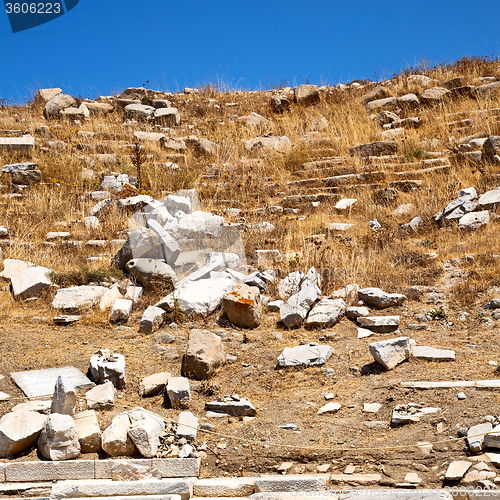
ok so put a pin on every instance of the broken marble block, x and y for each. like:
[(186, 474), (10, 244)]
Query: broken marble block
[(376, 297), (152, 319), (145, 432), (477, 436), (390, 353), (101, 397), (187, 426), (19, 430), (380, 324), (64, 399), (205, 355), (88, 430), (243, 306), (326, 313), (305, 355), (59, 438), (178, 392), (237, 407), (294, 311), (106, 365), (31, 282), (121, 310), (154, 384), (115, 438)]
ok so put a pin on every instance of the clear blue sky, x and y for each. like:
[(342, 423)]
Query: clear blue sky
[(104, 46)]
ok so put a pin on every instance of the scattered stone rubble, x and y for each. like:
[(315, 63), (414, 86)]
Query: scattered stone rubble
[(159, 252)]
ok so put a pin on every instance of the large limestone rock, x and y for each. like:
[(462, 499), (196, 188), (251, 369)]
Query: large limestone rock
[(377, 148), (59, 438), (243, 306), (205, 355), (307, 94), (491, 147), (43, 96), (139, 112), (326, 313), (107, 365), (168, 117), (19, 430), (305, 355), (31, 282), (89, 432), (78, 298), (55, 105), (490, 198), (115, 438), (263, 144), (434, 95), (121, 310), (294, 311), (474, 220), (376, 297), (152, 273), (390, 353), (64, 399), (203, 296)]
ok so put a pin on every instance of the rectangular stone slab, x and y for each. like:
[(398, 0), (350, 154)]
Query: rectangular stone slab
[(36, 383), (433, 354), (439, 385), (486, 385), (54, 471)]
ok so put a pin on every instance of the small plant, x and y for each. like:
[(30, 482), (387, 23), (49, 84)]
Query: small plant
[(439, 313), (147, 101), (294, 261), (138, 158), (415, 155), (85, 276), (208, 388)]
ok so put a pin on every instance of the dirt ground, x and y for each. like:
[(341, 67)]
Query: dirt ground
[(248, 446)]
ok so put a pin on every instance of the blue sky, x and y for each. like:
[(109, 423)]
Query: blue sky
[(104, 46)]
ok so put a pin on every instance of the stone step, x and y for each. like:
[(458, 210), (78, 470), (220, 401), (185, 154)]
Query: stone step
[(291, 483), (377, 160), (168, 489), (28, 472), (301, 199), (224, 487)]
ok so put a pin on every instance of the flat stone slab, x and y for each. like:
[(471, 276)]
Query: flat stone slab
[(457, 470), (305, 355), (492, 385), (175, 489), (225, 487), (36, 383), (365, 479), (433, 354), (378, 321), (49, 471), (290, 483)]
